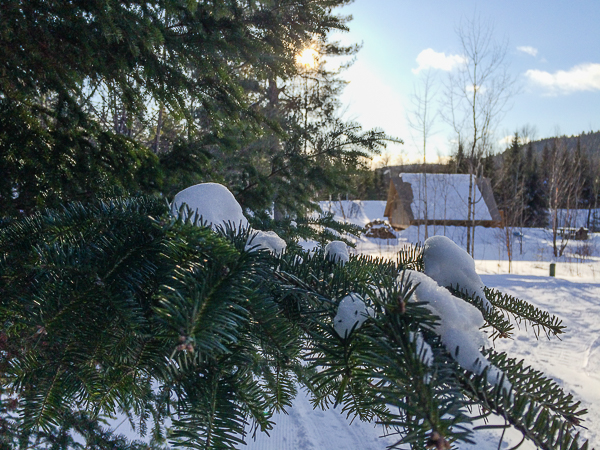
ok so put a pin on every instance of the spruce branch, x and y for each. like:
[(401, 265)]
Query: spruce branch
[(524, 312), (411, 257), (537, 423), (538, 387), (500, 326), (190, 325)]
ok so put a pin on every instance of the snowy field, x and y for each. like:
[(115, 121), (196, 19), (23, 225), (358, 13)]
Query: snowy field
[(573, 295)]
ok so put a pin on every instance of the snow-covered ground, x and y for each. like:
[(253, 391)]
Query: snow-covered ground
[(573, 362)]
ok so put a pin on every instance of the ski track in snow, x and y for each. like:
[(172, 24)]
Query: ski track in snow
[(305, 428), (574, 360)]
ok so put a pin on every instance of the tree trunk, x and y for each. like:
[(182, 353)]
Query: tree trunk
[(159, 124), (469, 206), (425, 204)]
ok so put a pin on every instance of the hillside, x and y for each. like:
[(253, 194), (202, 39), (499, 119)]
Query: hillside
[(589, 141)]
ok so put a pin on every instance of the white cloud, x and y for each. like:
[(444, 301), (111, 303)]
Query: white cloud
[(505, 141), (430, 59), (584, 77), (527, 49)]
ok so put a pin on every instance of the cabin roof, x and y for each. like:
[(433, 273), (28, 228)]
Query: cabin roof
[(447, 196)]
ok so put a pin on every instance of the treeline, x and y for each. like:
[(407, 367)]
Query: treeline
[(532, 181)]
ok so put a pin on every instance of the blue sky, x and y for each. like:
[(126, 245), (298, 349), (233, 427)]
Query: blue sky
[(553, 52)]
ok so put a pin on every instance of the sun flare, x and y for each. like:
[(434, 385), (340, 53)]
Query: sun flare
[(308, 58)]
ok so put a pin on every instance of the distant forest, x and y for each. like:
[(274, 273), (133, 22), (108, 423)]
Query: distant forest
[(531, 181)]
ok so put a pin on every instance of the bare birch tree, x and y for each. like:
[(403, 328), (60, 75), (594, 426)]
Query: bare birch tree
[(477, 94), (563, 187), (592, 219), (421, 118)]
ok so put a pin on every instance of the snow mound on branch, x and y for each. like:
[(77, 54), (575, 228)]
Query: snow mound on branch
[(337, 251), (217, 206), (351, 311), (266, 240), (453, 311), (424, 351), (213, 202), (449, 265), (458, 327)]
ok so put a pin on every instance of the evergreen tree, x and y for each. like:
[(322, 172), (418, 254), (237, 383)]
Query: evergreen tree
[(535, 203), (459, 161), (489, 169), (118, 306), (581, 158), (304, 152), (79, 79), (511, 186)]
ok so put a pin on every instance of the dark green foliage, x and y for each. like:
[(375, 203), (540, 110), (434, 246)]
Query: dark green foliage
[(305, 153), (538, 387), (118, 307), (95, 433), (411, 257), (73, 160), (546, 427), (460, 161), (88, 88), (500, 326), (115, 301), (532, 180), (535, 214), (64, 44), (511, 187), (523, 312), (322, 229), (367, 185)]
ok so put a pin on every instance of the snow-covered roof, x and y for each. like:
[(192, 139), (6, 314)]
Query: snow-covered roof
[(447, 196)]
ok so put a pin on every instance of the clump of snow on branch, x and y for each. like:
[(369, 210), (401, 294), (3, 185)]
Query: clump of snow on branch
[(449, 265), (216, 205), (266, 240), (424, 351), (213, 202), (352, 313), (337, 251), (458, 327)]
